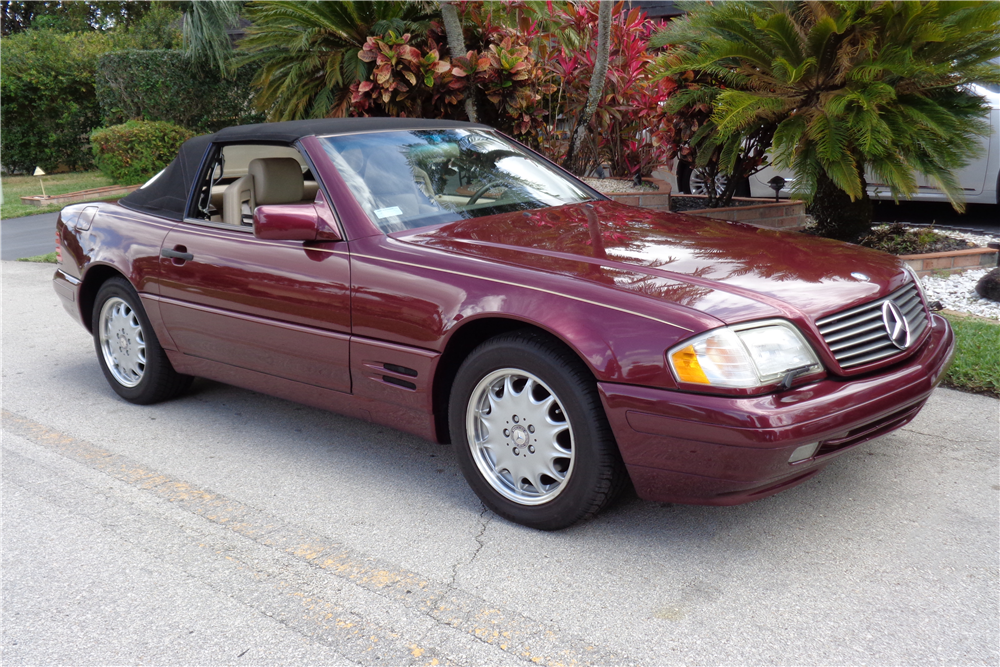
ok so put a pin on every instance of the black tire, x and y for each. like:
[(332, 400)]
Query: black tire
[(133, 363), (684, 178), (742, 188), (572, 422)]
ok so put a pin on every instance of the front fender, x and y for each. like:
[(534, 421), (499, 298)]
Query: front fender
[(419, 297)]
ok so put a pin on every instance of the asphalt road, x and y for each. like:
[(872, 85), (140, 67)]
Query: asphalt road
[(227, 527), (28, 236)]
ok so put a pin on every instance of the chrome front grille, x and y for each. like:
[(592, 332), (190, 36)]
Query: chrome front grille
[(858, 335)]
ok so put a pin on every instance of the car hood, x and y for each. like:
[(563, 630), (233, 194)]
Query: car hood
[(731, 271)]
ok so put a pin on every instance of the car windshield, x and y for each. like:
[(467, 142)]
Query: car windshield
[(415, 178)]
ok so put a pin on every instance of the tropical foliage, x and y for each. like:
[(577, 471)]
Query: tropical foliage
[(408, 81), (632, 123), (309, 52), (841, 88), (204, 30)]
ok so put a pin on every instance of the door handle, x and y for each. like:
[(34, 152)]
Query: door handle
[(176, 254)]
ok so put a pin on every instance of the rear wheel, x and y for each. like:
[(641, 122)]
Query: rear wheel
[(693, 181), (531, 435), (130, 356)]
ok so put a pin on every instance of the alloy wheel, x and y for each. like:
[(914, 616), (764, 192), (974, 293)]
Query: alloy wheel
[(520, 437)]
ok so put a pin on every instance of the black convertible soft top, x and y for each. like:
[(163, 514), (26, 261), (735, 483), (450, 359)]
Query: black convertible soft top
[(167, 195)]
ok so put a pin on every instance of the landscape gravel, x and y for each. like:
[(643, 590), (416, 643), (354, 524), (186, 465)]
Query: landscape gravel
[(958, 292), (616, 186), (978, 239)]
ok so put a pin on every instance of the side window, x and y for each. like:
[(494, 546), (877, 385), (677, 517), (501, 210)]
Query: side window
[(241, 177)]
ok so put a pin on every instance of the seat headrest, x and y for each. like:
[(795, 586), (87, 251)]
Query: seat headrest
[(276, 180)]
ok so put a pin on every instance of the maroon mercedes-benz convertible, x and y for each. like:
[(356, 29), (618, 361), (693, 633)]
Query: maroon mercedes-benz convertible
[(441, 279)]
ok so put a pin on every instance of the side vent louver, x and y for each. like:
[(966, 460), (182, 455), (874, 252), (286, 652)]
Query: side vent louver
[(400, 370), (399, 383)]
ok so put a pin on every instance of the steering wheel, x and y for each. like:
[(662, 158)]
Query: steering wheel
[(483, 190)]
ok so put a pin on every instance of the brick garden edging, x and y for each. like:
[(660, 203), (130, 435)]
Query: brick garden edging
[(785, 215), (954, 261), (788, 216), (657, 200), (107, 192)]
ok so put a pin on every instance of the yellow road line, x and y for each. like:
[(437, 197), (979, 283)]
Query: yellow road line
[(522, 638)]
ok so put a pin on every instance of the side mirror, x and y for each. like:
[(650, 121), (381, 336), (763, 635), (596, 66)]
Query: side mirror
[(291, 222)]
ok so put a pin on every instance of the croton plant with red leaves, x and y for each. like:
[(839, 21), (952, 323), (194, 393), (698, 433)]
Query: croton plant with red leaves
[(531, 75)]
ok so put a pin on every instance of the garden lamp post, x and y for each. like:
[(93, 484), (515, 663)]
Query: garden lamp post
[(776, 184)]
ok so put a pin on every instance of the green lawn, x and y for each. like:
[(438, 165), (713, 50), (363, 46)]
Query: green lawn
[(48, 258), (15, 187), (976, 367)]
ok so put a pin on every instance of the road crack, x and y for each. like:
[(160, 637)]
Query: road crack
[(485, 518)]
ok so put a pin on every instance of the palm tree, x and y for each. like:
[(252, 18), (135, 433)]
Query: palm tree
[(597, 80), (846, 88), (203, 30), (308, 51), (456, 44)]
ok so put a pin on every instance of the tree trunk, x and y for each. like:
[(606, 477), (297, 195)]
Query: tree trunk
[(456, 44), (596, 86), (837, 217)]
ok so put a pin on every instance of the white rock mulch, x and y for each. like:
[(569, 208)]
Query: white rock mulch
[(978, 239), (958, 292), (616, 186)]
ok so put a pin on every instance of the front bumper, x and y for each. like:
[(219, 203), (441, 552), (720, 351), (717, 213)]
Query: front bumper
[(722, 450)]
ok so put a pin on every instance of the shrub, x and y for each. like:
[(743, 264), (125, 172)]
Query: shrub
[(162, 85), (132, 152), (47, 97), (48, 104), (631, 129)]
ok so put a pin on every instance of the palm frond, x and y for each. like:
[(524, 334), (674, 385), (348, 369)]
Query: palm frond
[(308, 51)]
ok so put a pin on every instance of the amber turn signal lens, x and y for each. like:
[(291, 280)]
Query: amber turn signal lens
[(687, 366)]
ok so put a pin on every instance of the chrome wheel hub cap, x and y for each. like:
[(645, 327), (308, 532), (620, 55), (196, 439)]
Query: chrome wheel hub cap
[(123, 343), (520, 436), (699, 182)]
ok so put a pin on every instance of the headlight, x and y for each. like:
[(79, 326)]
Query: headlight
[(743, 356)]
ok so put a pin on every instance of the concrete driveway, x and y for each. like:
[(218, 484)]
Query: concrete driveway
[(228, 527)]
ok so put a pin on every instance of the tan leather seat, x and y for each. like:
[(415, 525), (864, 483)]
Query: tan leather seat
[(239, 191), (274, 180)]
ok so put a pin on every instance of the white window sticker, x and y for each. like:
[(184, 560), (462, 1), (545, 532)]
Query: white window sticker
[(386, 212)]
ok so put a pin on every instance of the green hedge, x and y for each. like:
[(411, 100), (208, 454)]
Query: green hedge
[(163, 85), (48, 105), (47, 102), (132, 152)]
